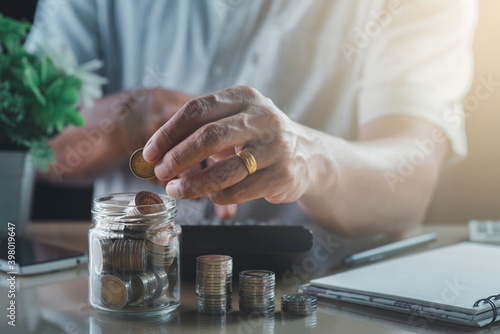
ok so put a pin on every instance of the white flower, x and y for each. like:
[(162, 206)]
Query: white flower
[(63, 57)]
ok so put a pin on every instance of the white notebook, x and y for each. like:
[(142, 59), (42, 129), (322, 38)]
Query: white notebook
[(442, 283)]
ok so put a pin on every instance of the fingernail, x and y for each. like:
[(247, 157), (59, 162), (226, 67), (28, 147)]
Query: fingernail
[(173, 189), (231, 208), (150, 152), (220, 210), (225, 211)]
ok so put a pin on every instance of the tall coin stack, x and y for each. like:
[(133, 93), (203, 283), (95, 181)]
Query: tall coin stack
[(214, 289), (257, 291)]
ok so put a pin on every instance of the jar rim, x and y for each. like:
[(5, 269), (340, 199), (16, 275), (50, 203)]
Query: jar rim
[(117, 204)]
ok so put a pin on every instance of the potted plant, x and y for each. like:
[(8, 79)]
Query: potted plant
[(40, 94)]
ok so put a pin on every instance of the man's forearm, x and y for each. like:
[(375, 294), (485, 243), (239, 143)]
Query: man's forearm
[(82, 154), (362, 187)]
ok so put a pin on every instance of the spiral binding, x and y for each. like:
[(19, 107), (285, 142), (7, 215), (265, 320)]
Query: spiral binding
[(489, 300)]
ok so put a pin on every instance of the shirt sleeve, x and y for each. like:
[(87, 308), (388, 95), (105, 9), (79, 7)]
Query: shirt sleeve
[(421, 65), (71, 22)]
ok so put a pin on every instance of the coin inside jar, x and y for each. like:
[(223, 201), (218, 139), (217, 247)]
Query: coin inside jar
[(147, 202), (144, 203), (114, 291), (140, 167), (101, 253), (129, 255)]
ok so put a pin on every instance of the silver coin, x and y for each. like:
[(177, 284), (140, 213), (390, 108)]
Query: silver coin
[(129, 255), (101, 255), (161, 283), (115, 291), (144, 287)]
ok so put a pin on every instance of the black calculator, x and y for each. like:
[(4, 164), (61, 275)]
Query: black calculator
[(253, 244)]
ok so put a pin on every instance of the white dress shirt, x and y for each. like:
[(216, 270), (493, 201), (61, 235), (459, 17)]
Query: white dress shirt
[(333, 65)]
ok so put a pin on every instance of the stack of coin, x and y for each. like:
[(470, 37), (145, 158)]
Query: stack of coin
[(161, 283), (129, 255), (144, 286), (117, 292), (214, 284), (299, 304), (101, 255), (161, 255), (257, 291)]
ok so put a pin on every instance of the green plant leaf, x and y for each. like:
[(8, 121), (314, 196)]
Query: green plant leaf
[(69, 96), (44, 68), (54, 89), (73, 117)]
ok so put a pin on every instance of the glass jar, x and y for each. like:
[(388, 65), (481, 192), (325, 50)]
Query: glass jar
[(134, 255)]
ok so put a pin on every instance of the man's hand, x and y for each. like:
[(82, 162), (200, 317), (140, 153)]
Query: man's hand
[(114, 127), (338, 183), (215, 127)]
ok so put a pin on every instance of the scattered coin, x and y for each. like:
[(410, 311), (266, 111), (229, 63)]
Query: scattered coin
[(140, 167)]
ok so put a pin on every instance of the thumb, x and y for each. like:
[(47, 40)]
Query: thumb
[(225, 211)]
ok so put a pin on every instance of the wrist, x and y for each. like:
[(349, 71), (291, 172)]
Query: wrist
[(321, 168)]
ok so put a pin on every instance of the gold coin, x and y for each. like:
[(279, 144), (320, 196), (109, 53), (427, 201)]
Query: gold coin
[(114, 291), (140, 167)]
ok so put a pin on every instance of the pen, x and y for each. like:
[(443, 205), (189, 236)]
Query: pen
[(388, 250)]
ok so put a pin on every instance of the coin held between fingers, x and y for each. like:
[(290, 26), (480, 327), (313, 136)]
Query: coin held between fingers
[(140, 167)]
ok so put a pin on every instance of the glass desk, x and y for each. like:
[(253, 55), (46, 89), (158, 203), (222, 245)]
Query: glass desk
[(57, 303)]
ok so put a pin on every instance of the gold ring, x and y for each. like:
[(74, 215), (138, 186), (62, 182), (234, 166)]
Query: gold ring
[(249, 161)]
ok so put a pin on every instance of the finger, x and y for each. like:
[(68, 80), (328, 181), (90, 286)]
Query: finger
[(220, 175), (225, 211), (208, 140), (217, 176), (194, 114), (191, 171), (220, 156), (269, 183)]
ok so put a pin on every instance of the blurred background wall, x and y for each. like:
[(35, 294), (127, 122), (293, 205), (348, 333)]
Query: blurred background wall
[(469, 190)]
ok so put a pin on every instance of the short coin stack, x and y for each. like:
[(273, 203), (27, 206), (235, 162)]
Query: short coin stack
[(299, 304), (257, 291), (214, 288)]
